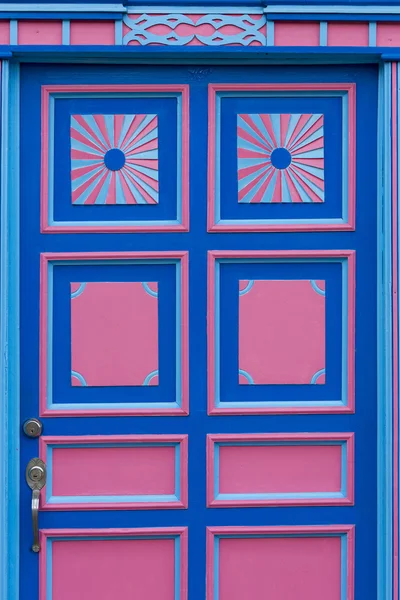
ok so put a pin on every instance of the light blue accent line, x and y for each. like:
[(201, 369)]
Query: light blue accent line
[(345, 158), (150, 376), (49, 569), (148, 289), (345, 327), (217, 361), (372, 34), (79, 291), (343, 487), (270, 33), (247, 376), (216, 470), (118, 33), (13, 32), (317, 289), (79, 377), (177, 471), (343, 566), (323, 33), (66, 37), (50, 332), (385, 337), (316, 375), (247, 288), (177, 568), (9, 334), (216, 567), (283, 496)]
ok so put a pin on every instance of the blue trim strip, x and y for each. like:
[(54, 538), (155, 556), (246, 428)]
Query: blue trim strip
[(66, 32), (323, 33), (9, 335), (13, 31), (372, 34), (385, 331)]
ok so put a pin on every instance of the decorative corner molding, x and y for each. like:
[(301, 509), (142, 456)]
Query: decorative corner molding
[(177, 29)]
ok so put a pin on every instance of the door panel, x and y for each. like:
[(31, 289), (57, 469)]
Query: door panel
[(207, 385)]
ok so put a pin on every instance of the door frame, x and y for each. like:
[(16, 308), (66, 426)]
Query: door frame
[(387, 301)]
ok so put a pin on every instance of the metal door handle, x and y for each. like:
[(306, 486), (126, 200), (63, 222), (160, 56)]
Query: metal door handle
[(35, 476)]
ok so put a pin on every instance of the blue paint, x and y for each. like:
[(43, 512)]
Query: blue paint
[(372, 34), (197, 517), (281, 158), (66, 32), (114, 159), (323, 33), (79, 377), (79, 291), (317, 375)]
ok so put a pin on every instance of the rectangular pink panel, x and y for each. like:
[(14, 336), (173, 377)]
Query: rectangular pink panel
[(113, 564), (281, 332), (40, 32), (142, 471), (4, 32), (280, 469), (296, 34), (98, 33), (114, 330), (348, 34), (388, 34), (280, 563)]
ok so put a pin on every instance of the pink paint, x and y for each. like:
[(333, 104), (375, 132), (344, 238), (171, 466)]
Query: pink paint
[(348, 34), (97, 33), (47, 91), (388, 34), (112, 568), (114, 333), (301, 468), (395, 317), (253, 254), (281, 331), (4, 32), (139, 470), (128, 256), (281, 567), (266, 87), (298, 33), (40, 32)]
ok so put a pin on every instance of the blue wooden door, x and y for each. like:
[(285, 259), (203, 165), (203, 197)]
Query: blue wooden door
[(206, 381)]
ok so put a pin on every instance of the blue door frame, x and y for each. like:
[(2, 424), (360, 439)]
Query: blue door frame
[(387, 293)]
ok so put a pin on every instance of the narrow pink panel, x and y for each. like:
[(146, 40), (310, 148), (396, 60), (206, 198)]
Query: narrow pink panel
[(130, 471), (40, 32), (279, 469), (388, 34), (114, 333), (348, 34), (5, 32), (107, 569), (304, 568), (296, 34), (98, 33), (281, 332)]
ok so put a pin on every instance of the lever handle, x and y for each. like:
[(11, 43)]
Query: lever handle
[(35, 476)]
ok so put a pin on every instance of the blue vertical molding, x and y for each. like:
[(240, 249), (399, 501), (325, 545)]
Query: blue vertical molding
[(66, 28), (118, 33), (270, 33), (13, 32), (385, 338), (372, 34), (396, 299), (9, 333), (323, 33)]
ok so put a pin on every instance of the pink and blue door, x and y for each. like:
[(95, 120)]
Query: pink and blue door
[(198, 285)]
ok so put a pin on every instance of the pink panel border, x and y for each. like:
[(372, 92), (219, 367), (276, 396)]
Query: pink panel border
[(213, 256), (55, 257), (182, 440), (350, 88), (212, 439), (348, 530), (47, 90), (182, 532)]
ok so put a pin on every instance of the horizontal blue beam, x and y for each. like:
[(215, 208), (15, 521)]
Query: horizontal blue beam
[(331, 17), (57, 16)]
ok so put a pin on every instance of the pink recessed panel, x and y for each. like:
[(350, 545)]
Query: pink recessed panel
[(274, 469), (281, 332), (304, 568), (114, 333), (348, 34), (296, 34), (105, 569), (40, 32), (92, 32), (388, 34)]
